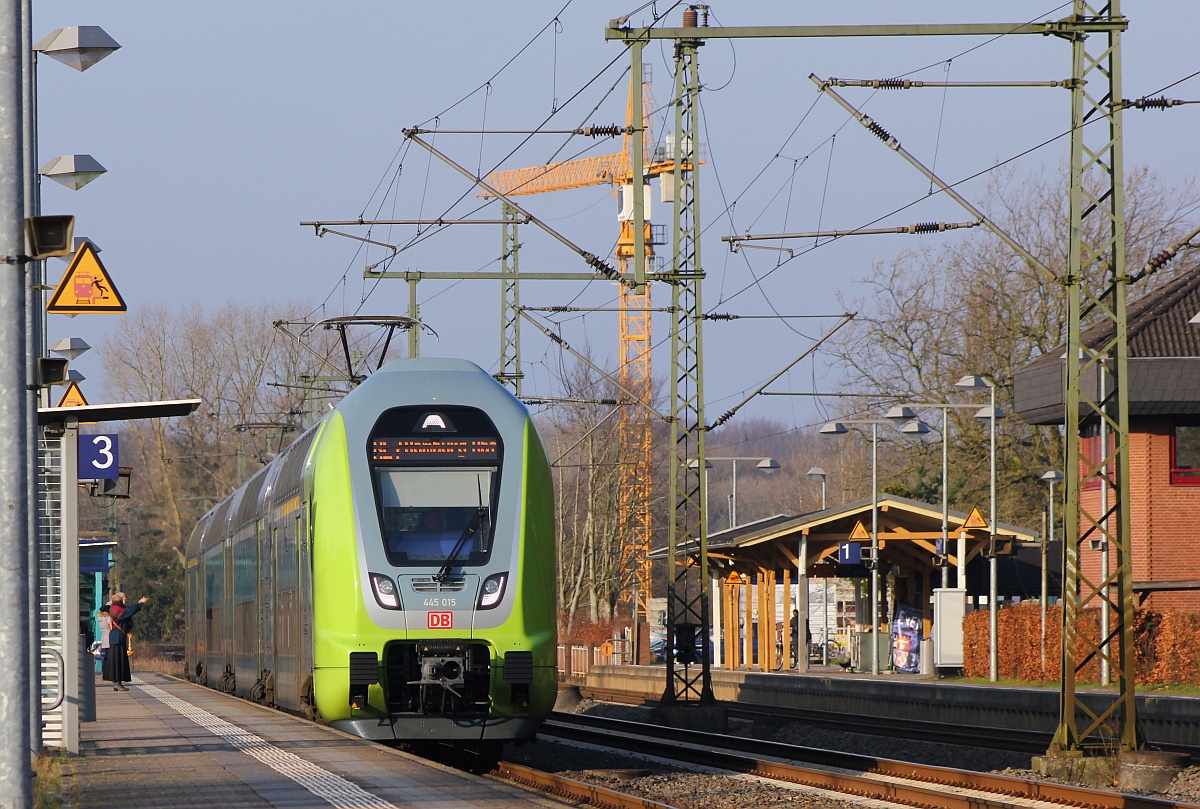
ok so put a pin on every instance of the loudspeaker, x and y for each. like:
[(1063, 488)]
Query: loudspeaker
[(49, 236)]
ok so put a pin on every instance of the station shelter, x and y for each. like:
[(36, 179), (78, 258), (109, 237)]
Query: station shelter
[(760, 568)]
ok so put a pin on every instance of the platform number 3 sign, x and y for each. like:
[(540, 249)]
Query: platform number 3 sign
[(98, 457)]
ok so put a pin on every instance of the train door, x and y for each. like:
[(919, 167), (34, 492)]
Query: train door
[(214, 613), (266, 598), (305, 585), (227, 648), (287, 608), (194, 627), (245, 581)]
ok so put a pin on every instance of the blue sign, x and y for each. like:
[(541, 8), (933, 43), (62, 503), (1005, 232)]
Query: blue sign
[(98, 457), (849, 553)]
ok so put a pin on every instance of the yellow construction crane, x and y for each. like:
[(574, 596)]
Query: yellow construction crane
[(634, 319)]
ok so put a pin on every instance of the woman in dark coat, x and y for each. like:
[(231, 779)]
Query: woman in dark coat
[(116, 662)]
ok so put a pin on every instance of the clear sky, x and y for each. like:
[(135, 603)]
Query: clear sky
[(224, 124)]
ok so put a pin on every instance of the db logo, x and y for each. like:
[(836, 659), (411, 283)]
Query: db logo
[(440, 620)]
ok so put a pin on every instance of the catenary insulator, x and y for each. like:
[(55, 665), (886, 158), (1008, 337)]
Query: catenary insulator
[(1159, 103), (1161, 259), (690, 18), (893, 84), (928, 227), (601, 131), (879, 131)]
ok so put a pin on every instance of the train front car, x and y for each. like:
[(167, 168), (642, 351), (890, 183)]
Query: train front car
[(433, 559)]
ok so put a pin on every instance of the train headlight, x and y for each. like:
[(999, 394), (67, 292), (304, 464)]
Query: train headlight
[(492, 590), (385, 591)]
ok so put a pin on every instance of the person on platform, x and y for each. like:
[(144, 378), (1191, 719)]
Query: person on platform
[(116, 662), (104, 621)]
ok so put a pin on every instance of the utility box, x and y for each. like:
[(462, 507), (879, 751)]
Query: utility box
[(949, 610)]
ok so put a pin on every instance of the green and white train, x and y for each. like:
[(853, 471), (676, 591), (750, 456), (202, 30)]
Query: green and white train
[(392, 571)]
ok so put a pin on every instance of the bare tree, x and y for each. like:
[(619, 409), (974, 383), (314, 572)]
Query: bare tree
[(936, 314)]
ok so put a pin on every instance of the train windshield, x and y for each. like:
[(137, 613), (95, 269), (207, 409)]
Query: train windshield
[(435, 515), (436, 474)]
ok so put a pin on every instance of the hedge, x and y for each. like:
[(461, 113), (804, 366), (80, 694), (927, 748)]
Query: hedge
[(1166, 645)]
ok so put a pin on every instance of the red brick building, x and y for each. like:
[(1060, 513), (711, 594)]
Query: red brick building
[(1164, 440)]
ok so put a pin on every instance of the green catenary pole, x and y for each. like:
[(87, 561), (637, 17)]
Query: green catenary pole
[(1097, 279)]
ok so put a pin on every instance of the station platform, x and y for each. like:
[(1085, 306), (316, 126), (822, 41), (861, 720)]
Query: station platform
[(1169, 720), (169, 744)]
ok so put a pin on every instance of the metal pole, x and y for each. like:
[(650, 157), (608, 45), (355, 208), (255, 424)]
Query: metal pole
[(825, 611), (733, 506), (993, 612), (1105, 615), (15, 786), (35, 336), (874, 548), (945, 497), (414, 311), (1048, 537)]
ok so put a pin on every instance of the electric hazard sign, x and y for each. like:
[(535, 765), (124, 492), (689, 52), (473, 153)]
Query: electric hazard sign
[(86, 288)]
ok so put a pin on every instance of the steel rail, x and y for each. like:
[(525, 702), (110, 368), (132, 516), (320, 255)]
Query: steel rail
[(583, 792)]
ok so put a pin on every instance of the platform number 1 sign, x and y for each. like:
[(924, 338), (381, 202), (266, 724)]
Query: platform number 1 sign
[(98, 457)]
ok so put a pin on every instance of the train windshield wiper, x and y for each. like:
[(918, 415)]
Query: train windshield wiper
[(467, 533)]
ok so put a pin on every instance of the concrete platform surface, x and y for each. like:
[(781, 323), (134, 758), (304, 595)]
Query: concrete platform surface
[(169, 744)]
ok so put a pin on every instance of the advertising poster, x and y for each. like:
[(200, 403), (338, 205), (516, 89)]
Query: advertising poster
[(906, 639)]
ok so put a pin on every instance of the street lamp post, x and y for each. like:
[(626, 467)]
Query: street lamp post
[(991, 414), (1051, 477), (818, 472), (902, 412), (837, 428), (765, 464), (78, 47)]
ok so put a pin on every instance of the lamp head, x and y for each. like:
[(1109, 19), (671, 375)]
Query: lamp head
[(973, 381), (694, 464), (78, 47), (816, 472), (915, 426), (986, 413), (901, 413), (1053, 476), (768, 464), (833, 428)]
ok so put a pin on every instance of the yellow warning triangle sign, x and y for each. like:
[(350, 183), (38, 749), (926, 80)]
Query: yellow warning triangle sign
[(86, 288), (860, 531), (975, 519), (73, 397)]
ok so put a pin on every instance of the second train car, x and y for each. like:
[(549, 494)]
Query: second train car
[(392, 571)]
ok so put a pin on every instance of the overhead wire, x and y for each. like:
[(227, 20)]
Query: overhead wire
[(505, 66)]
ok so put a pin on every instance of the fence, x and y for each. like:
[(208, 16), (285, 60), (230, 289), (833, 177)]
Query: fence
[(574, 662)]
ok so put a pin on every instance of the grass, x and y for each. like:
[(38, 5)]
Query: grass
[(47, 782), (158, 663)]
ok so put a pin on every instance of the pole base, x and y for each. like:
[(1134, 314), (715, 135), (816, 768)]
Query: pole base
[(704, 716), (1149, 770)]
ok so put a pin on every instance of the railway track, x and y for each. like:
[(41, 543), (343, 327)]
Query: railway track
[(852, 777), (1021, 741)]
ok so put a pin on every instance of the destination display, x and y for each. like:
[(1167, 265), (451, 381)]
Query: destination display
[(434, 449)]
